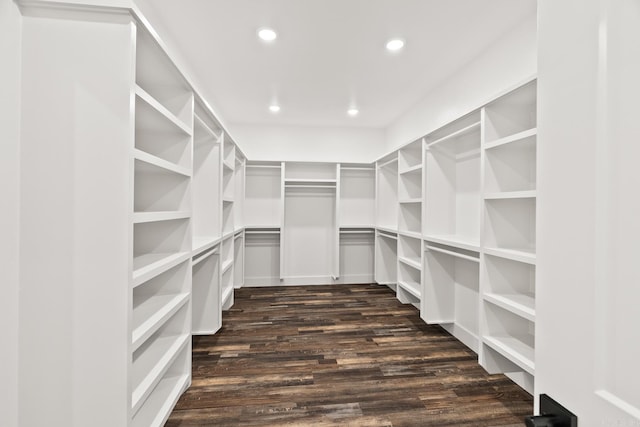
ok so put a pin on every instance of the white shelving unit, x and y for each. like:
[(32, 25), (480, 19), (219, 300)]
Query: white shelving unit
[(262, 201), (227, 277), (452, 184), (262, 256), (162, 233), (386, 261), (357, 195), (238, 259), (509, 236), (451, 291), (310, 206), (387, 192)]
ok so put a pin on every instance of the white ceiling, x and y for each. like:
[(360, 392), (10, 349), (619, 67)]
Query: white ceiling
[(329, 54)]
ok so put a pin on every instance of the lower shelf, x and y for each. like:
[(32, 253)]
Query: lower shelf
[(518, 349), (159, 405)]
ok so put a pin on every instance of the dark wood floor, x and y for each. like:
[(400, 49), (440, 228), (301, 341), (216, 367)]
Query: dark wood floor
[(339, 355)]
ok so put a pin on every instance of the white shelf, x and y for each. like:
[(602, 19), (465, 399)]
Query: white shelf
[(152, 365), (518, 349), (525, 255), (215, 137), (387, 230), (226, 265), (412, 169), (148, 266), (460, 242), (520, 136), (406, 201), (202, 243), (520, 304), (529, 194), (159, 109), (228, 165), (166, 165), (464, 131), (226, 293), (149, 316), (410, 262), (412, 288), (142, 217), (159, 405), (412, 234)]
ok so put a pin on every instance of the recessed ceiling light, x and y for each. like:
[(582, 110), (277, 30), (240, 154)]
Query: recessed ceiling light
[(267, 34), (274, 108), (395, 44), (352, 112)]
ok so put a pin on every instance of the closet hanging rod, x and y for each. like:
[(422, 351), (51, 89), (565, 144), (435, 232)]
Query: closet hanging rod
[(452, 253)]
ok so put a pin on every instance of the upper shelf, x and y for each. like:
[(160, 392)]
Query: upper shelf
[(152, 115)]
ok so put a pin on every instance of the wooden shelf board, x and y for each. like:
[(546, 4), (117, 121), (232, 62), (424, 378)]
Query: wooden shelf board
[(157, 361), (148, 266), (519, 304), (157, 408), (142, 217), (528, 194), (162, 110), (526, 256), (520, 136), (460, 242), (157, 164), (518, 349), (149, 316)]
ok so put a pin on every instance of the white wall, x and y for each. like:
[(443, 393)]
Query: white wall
[(10, 23), (587, 293), (306, 143), (508, 62)]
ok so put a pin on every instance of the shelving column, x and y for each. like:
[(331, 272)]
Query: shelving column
[(451, 229), (161, 279), (206, 292), (509, 236), (227, 251), (410, 167), (386, 241)]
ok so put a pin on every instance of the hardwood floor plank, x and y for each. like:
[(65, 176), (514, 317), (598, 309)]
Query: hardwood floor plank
[(347, 355)]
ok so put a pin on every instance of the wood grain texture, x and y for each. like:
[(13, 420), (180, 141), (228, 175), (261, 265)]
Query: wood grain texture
[(348, 355)]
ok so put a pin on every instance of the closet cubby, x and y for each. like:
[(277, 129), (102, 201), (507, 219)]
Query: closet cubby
[(357, 195), (410, 186), (228, 184), (158, 299), (238, 259), (512, 337), (452, 291), (227, 217), (510, 228), (159, 404), (410, 251), (356, 255), (409, 285), (262, 194), (239, 189), (227, 285), (157, 189), (511, 168), (386, 261), (229, 154), (387, 193), (206, 182), (511, 116), (510, 285), (155, 356), (452, 184), (205, 292), (410, 157), (262, 256), (410, 218)]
